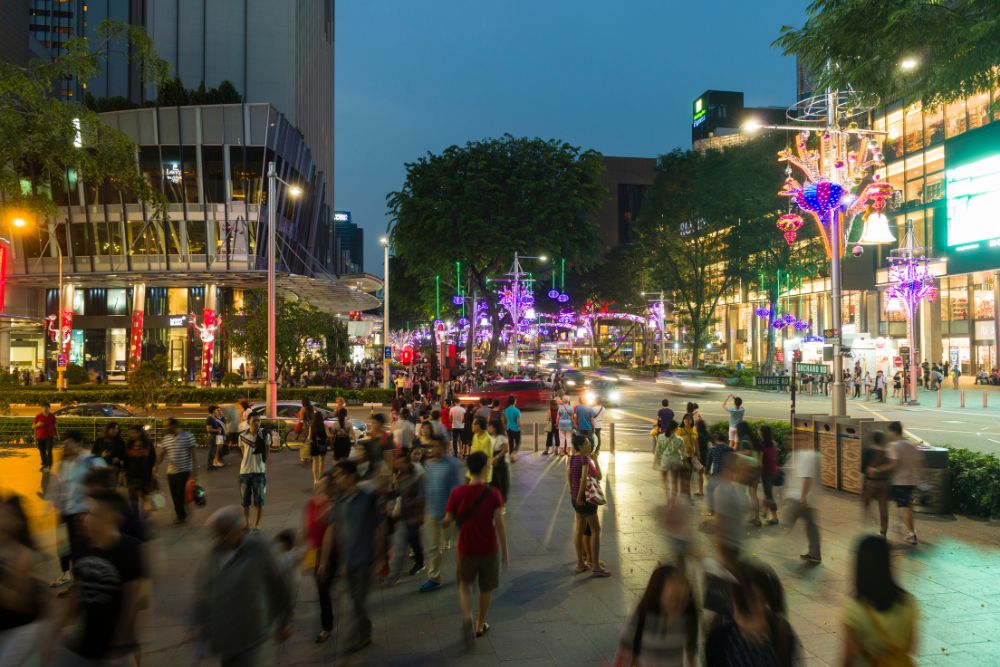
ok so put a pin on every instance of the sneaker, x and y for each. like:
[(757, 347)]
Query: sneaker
[(911, 538), (416, 568), (810, 558), (62, 580), (429, 585)]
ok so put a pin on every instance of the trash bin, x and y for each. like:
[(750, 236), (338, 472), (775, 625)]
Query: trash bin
[(933, 496), (849, 442), (826, 443), (804, 431)]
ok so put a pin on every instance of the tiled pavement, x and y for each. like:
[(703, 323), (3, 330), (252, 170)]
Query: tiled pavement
[(543, 614)]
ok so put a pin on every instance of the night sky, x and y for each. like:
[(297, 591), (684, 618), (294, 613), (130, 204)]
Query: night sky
[(618, 76)]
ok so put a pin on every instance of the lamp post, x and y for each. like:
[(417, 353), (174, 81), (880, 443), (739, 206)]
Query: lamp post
[(663, 328), (294, 191), (386, 380)]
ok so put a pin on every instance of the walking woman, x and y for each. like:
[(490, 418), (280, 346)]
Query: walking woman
[(565, 423), (689, 434), (501, 469), (750, 446), (552, 437), (470, 416), (317, 444), (663, 629), (880, 619), (140, 457), (343, 436), (22, 623), (670, 457), (768, 472), (317, 518), (583, 464), (876, 484)]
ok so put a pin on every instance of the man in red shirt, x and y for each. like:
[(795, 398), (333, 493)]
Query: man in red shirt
[(45, 435), (482, 543)]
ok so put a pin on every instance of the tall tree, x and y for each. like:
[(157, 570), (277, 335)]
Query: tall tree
[(481, 202), (44, 137), (955, 45), (703, 215)]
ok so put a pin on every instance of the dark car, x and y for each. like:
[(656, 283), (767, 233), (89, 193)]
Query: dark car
[(573, 380), (94, 410), (609, 393), (529, 393)]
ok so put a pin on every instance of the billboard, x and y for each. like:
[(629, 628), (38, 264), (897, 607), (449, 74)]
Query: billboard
[(971, 236)]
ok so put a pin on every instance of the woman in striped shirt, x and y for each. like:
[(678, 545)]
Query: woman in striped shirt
[(663, 630)]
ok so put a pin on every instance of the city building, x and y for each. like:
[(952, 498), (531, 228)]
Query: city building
[(280, 53), (718, 115), (138, 287), (14, 32), (351, 242), (627, 180)]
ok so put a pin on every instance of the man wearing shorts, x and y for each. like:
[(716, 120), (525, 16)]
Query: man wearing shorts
[(904, 464), (735, 417), (482, 543), (253, 480)]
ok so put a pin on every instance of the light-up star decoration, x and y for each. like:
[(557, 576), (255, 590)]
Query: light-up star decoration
[(911, 279), (832, 172)]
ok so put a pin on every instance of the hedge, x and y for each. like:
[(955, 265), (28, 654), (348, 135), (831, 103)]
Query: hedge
[(975, 482), (204, 396), (19, 432), (780, 430)]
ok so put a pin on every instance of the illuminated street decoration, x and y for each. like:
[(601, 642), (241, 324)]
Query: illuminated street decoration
[(207, 330), (4, 254), (789, 225)]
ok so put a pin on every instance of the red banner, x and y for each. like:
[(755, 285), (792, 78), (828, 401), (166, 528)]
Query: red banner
[(66, 332), (135, 340), (207, 330), (4, 254)]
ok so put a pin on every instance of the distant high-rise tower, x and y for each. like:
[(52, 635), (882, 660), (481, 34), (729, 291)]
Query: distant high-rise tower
[(351, 239), (275, 52), (14, 31)]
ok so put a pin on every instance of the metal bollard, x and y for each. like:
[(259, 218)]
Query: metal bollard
[(939, 398), (536, 437), (611, 433), (985, 394), (962, 399)]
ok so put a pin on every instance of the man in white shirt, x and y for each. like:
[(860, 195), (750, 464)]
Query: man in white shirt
[(254, 444), (904, 466), (457, 426), (801, 496)]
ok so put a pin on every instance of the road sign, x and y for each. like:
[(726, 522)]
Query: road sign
[(897, 361), (904, 350), (830, 333), (387, 352), (771, 380), (61, 361), (811, 368), (833, 340)]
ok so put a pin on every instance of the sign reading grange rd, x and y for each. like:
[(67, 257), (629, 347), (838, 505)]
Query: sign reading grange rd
[(771, 380)]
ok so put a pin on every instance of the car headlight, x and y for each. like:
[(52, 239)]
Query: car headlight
[(615, 396), (571, 383), (589, 397)]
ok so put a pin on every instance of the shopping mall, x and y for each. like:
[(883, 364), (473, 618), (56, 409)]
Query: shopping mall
[(946, 165), (135, 287)]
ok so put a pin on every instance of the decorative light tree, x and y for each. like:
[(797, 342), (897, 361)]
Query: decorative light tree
[(835, 189), (911, 281)]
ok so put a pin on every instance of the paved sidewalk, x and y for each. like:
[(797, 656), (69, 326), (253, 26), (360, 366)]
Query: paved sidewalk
[(543, 614)]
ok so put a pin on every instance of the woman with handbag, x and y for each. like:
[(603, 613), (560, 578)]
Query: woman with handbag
[(689, 434), (663, 629), (584, 474), (317, 444)]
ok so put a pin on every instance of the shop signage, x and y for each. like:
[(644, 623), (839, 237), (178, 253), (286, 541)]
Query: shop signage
[(904, 350), (810, 368), (953, 355), (771, 380), (178, 320), (829, 333), (387, 352), (61, 361)]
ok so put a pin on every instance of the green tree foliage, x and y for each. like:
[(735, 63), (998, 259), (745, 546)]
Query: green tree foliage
[(41, 134), (149, 383), (956, 44), (296, 325), (704, 218), (411, 297), (480, 202)]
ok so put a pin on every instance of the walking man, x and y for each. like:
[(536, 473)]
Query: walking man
[(513, 415), (254, 443), (903, 465), (477, 508), (240, 594), (442, 474), (457, 426), (45, 435), (735, 417), (801, 496), (177, 446)]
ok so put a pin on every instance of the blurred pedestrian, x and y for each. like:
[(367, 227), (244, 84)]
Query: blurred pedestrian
[(177, 447), (301, 429), (670, 456), (71, 500), (689, 434), (317, 518), (481, 442), (801, 496), (880, 619), (768, 473), (477, 508), (343, 435), (22, 604), (904, 465), (704, 442), (104, 602), (499, 458), (552, 434), (565, 424), (215, 427), (598, 421), (240, 594), (45, 435), (407, 500), (583, 465), (140, 459), (876, 483), (731, 507), (663, 629), (318, 439), (111, 446), (254, 444), (513, 416), (442, 474), (716, 458), (457, 415)]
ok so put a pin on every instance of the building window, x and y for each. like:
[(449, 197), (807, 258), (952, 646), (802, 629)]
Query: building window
[(117, 303), (142, 238), (197, 237), (979, 110), (983, 296), (913, 123), (96, 301), (934, 122), (954, 118), (934, 167), (894, 139), (83, 239), (215, 174), (914, 180), (79, 307), (156, 301), (177, 301)]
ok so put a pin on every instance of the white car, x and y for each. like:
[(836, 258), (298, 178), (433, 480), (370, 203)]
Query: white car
[(687, 382)]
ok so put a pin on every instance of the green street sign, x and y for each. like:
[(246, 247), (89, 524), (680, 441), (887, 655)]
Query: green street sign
[(771, 380), (811, 368)]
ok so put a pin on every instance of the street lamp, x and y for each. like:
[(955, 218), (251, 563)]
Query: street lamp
[(386, 380), (294, 191), (909, 64), (663, 328)]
